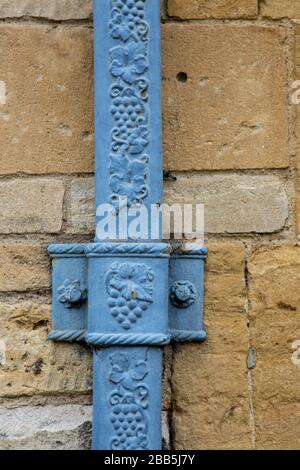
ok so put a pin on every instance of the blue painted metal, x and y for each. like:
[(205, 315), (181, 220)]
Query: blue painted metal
[(128, 123), (127, 300), (127, 398), (69, 264), (187, 270)]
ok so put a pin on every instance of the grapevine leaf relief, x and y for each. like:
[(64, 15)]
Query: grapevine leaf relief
[(128, 177), (129, 102), (129, 402), (128, 62), (130, 290)]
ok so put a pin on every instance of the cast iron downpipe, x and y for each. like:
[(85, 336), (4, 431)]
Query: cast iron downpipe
[(127, 299)]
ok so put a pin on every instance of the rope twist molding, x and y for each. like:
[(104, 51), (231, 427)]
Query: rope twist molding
[(68, 335), (182, 336), (66, 249), (97, 339), (158, 249)]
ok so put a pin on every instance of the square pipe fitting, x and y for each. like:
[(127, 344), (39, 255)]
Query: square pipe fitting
[(127, 301), (69, 292)]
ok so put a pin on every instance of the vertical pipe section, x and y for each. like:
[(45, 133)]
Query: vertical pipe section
[(128, 296), (127, 398), (128, 127)]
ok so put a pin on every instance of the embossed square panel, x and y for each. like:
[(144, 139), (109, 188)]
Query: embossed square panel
[(127, 294)]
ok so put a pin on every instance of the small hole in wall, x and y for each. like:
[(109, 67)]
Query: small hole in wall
[(182, 77)]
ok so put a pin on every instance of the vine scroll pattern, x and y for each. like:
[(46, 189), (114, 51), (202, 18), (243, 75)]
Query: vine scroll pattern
[(129, 402), (129, 64)]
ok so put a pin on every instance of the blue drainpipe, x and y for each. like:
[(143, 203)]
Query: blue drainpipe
[(127, 299)]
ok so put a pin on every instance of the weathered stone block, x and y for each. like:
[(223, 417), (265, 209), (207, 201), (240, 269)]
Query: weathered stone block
[(220, 417), (210, 393), (24, 267), (274, 276), (223, 106), (53, 9), (31, 205), (47, 113), (83, 205), (275, 299), (225, 292), (233, 203), (52, 427), (296, 100), (34, 365), (63, 427), (277, 9), (218, 9)]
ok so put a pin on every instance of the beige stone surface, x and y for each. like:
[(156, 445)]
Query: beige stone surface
[(275, 299), (296, 97), (274, 276), (46, 114), (277, 9), (24, 267), (31, 205), (51, 9), (35, 365), (210, 394), (50, 427), (232, 111), (218, 9), (82, 212), (233, 203)]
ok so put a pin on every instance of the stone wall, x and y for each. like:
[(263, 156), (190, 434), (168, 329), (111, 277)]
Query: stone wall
[(230, 136)]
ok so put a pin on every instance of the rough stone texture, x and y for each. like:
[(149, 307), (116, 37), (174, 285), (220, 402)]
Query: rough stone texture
[(31, 205), (64, 427), (35, 365), (83, 205), (165, 428), (274, 277), (47, 121), (232, 111), (51, 9), (218, 9), (210, 392), (277, 9), (60, 103), (233, 203), (50, 427), (297, 108), (24, 267)]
